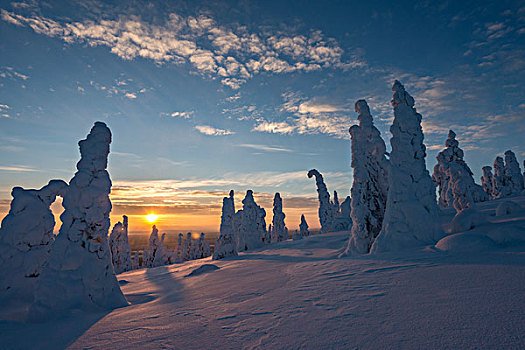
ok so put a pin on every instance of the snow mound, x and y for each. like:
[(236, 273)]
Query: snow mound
[(466, 242), (508, 208), (203, 269), (467, 219)]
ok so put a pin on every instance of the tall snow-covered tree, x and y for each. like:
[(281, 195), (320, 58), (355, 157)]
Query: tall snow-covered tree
[(119, 245), (487, 180), (303, 227), (412, 214), (453, 175), (251, 225), (370, 187), (156, 253), (337, 207), (343, 220), (26, 237), (279, 230), (513, 176), (326, 207), (226, 244), (498, 180), (79, 272)]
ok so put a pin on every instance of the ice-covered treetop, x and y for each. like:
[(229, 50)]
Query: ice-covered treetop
[(248, 198), (363, 111), (47, 193), (510, 156), (318, 176), (231, 194), (94, 149), (401, 96), (277, 202), (451, 140), (498, 163)]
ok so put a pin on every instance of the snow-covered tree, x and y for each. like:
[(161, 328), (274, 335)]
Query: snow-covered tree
[(26, 237), (279, 231), (370, 187), (452, 171), (157, 254), (513, 176), (487, 180), (79, 272), (188, 249), (412, 214), (203, 247), (343, 220), (498, 180), (326, 208), (179, 250), (303, 227), (336, 203), (250, 224), (135, 260), (297, 236), (226, 244), (119, 245)]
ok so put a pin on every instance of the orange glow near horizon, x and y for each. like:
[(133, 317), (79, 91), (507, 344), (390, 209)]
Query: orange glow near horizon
[(152, 218)]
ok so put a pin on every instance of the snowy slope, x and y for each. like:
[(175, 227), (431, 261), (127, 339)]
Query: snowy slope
[(299, 294)]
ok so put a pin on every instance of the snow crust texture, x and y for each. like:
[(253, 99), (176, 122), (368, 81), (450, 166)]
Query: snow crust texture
[(79, 273), (370, 187), (26, 237), (412, 214)]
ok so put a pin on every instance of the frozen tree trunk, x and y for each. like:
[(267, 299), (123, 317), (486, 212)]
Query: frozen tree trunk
[(326, 208), (79, 273), (487, 181), (499, 189), (370, 187), (303, 227), (251, 224), (279, 231), (119, 245), (226, 244), (513, 176), (411, 215), (453, 176), (26, 237)]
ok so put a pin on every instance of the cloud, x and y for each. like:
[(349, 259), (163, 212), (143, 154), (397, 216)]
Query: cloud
[(130, 95), (231, 54), (183, 115), (316, 108), (275, 127), (211, 131), (265, 148), (17, 169)]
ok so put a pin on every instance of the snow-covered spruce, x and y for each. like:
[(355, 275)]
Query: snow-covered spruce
[(156, 254), (343, 220), (226, 244), (412, 214), (487, 180), (370, 187), (303, 227), (79, 273), (26, 237), (453, 175), (337, 207), (513, 176), (297, 236), (498, 179), (203, 247), (279, 231), (179, 250), (250, 224), (119, 245), (326, 208)]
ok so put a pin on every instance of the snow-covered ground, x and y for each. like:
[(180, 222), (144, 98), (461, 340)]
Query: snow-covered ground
[(299, 294)]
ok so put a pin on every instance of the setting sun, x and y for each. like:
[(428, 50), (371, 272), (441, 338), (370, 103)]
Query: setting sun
[(152, 217)]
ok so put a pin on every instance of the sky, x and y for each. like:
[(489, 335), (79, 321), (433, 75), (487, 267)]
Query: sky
[(207, 96)]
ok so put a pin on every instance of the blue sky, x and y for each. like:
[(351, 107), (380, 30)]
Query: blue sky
[(205, 96)]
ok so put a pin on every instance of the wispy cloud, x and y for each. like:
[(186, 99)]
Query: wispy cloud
[(265, 148), (183, 115), (17, 169), (211, 131), (230, 54)]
